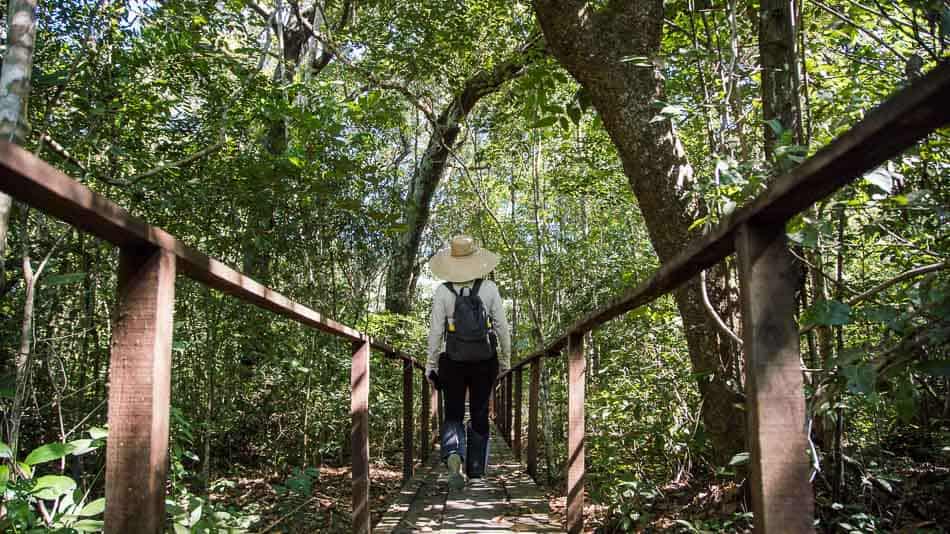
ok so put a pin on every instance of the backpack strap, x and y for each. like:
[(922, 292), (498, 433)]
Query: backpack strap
[(451, 288), (478, 284)]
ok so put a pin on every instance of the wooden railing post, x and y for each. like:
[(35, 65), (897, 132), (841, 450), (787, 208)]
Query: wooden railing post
[(533, 417), (509, 409), (424, 415), (139, 393), (407, 427), (359, 434), (516, 446), (782, 498), (575, 434)]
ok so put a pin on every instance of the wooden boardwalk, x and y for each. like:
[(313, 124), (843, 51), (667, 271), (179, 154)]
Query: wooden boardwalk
[(506, 500)]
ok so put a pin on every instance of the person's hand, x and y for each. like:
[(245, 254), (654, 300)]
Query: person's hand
[(432, 374), (501, 371)]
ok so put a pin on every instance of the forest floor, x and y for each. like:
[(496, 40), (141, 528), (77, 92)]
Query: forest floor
[(891, 493)]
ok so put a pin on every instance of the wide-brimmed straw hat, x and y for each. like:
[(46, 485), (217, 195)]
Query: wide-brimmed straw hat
[(463, 260)]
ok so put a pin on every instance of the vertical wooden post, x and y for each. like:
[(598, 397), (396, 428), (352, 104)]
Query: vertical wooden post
[(425, 421), (575, 434), (407, 427), (493, 403), (516, 447), (533, 417), (139, 393), (359, 434), (435, 409), (508, 407), (782, 498)]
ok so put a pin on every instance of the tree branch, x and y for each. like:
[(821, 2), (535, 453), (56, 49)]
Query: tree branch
[(845, 18), (712, 311)]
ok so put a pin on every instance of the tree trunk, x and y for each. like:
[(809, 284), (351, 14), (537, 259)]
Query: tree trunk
[(615, 65), (403, 269), (779, 70), (15, 96)]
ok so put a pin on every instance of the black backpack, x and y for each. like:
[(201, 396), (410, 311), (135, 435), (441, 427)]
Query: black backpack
[(468, 333)]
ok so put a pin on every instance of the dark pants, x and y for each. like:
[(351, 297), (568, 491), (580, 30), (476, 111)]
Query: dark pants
[(455, 378)]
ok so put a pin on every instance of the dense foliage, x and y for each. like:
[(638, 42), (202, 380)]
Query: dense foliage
[(294, 159)]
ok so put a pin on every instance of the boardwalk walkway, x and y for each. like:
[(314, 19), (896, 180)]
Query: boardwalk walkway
[(506, 500)]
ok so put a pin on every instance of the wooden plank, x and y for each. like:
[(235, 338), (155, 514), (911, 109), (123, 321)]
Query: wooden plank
[(575, 434), (505, 501), (36, 183), (407, 424), (139, 392), (533, 417), (886, 131), (359, 435), (425, 413), (775, 403), (419, 505), (516, 448)]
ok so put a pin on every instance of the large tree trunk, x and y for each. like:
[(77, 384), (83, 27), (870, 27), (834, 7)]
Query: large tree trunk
[(610, 52), (15, 96), (15, 126), (403, 269)]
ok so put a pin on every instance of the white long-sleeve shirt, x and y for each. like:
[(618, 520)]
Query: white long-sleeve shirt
[(443, 306)]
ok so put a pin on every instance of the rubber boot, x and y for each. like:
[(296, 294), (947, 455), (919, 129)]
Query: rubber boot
[(476, 455)]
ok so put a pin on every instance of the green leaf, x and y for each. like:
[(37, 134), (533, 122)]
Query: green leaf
[(89, 525), (96, 507), (935, 367), (740, 459), (4, 478), (5, 451), (776, 127), (81, 446), (295, 161), (98, 432), (697, 223), (53, 486), (46, 453), (544, 122), (195, 516), (828, 312)]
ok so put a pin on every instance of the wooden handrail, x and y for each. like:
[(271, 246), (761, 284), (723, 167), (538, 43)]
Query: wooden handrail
[(775, 401), (886, 131), (44, 187), (140, 368)]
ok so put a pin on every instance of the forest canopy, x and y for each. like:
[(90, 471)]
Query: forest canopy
[(329, 148)]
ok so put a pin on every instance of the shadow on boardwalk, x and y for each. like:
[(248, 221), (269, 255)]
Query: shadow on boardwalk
[(506, 500)]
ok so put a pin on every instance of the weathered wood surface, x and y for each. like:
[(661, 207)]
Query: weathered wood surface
[(533, 392), (886, 131), (782, 498), (359, 435), (506, 500), (575, 433), (139, 393), (408, 430)]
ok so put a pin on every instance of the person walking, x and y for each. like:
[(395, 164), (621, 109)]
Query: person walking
[(468, 320)]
